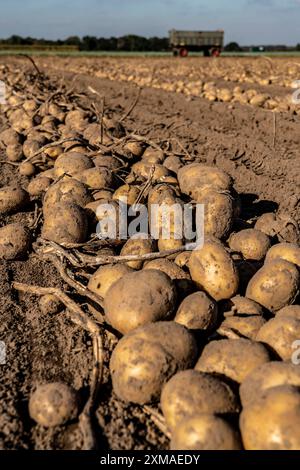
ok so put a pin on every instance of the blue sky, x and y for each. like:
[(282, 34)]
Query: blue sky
[(244, 21)]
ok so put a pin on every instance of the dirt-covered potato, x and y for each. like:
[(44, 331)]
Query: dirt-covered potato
[(146, 358), (97, 178), (233, 358), (285, 229), (213, 270), (137, 246), (197, 312), (181, 278), (10, 137), (53, 404), (14, 241), (153, 156), (50, 304), (195, 178), (205, 432), (72, 163), (280, 333), (218, 212), (12, 199), (269, 375), (107, 161), (105, 276), (239, 305), (127, 193), (275, 285), (175, 242), (106, 194), (76, 119), (173, 163), (66, 190), (288, 251), (14, 152), (141, 171), (190, 392), (134, 148), (65, 222), (182, 259), (289, 311), (54, 152), (271, 422), (38, 186), (139, 298), (252, 244), (30, 147), (245, 326), (27, 169)]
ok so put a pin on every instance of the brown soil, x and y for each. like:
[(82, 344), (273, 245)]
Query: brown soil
[(237, 138)]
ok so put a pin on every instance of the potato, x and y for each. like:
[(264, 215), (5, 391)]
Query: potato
[(173, 163), (14, 241), (218, 212), (275, 285), (195, 178), (65, 222), (183, 258), (76, 119), (137, 246), (245, 326), (233, 358), (133, 148), (161, 194), (26, 169), (251, 243), (271, 422), (190, 392), (106, 194), (288, 251), (172, 243), (213, 270), (106, 276), (14, 152), (280, 333), (49, 304), (10, 137), (127, 193), (267, 376), (53, 404), (292, 311), (66, 190), (239, 305), (38, 186), (107, 161), (153, 156), (284, 228), (139, 298), (97, 178), (12, 199), (72, 163), (30, 147), (141, 171), (181, 279), (205, 432), (197, 312), (54, 152), (145, 359)]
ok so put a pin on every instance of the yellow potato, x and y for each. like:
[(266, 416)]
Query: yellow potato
[(14, 241), (218, 212), (271, 422), (205, 432), (12, 199), (38, 186), (14, 152), (239, 305), (65, 222), (72, 163), (106, 276), (137, 246), (197, 312), (275, 285), (126, 193), (97, 178), (280, 333), (66, 190), (251, 243), (146, 358), (266, 376), (139, 298), (289, 311), (26, 169), (213, 270), (190, 392), (233, 358), (288, 251), (245, 326)]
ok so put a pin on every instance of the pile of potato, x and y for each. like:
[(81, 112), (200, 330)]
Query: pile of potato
[(208, 335)]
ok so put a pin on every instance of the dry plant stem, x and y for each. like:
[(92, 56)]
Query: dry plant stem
[(132, 106), (10, 163), (78, 317), (53, 144), (33, 63), (82, 290), (158, 420), (146, 185)]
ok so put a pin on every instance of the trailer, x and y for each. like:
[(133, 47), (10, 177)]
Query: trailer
[(209, 42)]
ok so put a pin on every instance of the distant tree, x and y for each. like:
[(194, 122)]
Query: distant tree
[(298, 47), (232, 47), (73, 41)]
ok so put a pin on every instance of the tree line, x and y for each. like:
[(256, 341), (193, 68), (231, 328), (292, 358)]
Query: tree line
[(129, 42)]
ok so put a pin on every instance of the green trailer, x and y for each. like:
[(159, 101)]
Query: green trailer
[(209, 42)]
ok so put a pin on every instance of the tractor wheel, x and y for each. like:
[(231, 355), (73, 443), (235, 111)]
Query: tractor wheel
[(183, 52), (215, 52)]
